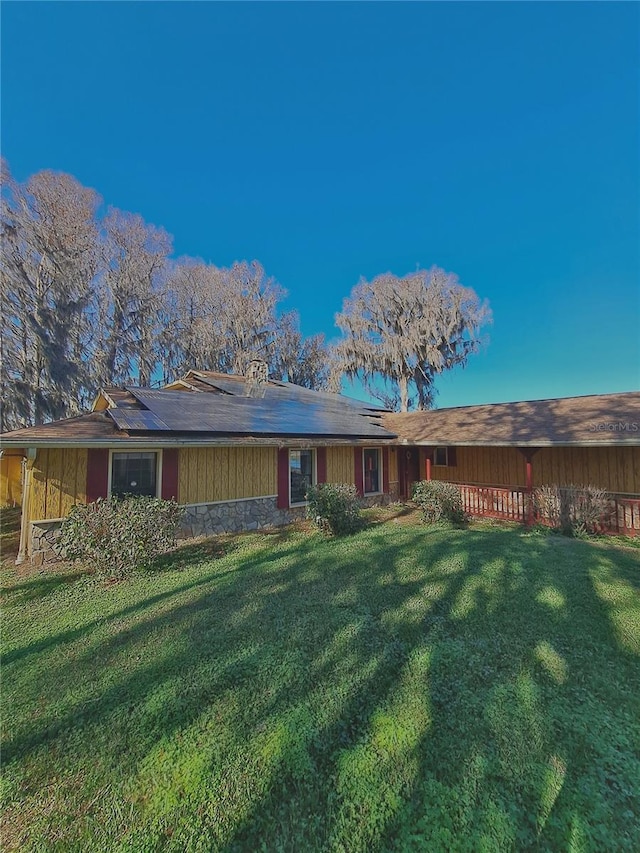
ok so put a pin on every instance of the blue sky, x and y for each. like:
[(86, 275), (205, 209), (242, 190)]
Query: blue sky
[(338, 140)]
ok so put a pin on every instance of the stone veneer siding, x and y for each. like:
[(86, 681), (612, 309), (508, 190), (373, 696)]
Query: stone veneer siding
[(44, 538), (236, 516)]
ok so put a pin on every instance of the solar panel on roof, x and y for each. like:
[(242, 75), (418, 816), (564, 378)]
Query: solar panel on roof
[(181, 412), (287, 391), (137, 419)]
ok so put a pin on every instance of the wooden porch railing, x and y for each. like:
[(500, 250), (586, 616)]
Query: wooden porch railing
[(513, 503), (508, 503)]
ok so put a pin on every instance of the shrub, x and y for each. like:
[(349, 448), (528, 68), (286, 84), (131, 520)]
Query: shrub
[(576, 510), (439, 501), (334, 507), (120, 535)]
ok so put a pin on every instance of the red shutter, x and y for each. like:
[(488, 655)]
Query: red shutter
[(97, 473), (451, 457), (283, 478), (385, 470), (359, 473), (169, 474), (321, 464)]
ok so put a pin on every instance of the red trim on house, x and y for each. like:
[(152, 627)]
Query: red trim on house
[(321, 464), (529, 453), (359, 470), (283, 478), (385, 470), (97, 473), (169, 489)]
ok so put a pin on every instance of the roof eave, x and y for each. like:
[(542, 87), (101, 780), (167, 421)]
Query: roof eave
[(441, 442), (223, 441)]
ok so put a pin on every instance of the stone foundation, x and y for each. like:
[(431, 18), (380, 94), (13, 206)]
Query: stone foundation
[(237, 516), (44, 541), (375, 500)]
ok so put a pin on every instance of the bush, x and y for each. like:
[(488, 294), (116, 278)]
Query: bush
[(334, 507), (575, 510), (439, 501), (120, 535)]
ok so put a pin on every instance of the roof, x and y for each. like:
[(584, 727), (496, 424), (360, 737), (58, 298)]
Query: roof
[(92, 426), (218, 409), (599, 419), (227, 410)]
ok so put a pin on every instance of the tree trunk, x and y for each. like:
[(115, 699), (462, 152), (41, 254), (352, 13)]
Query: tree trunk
[(403, 382)]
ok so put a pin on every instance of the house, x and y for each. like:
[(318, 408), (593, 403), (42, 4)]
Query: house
[(237, 452), (240, 452)]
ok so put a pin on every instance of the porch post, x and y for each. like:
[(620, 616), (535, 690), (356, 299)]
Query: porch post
[(528, 453), (23, 550), (428, 467)]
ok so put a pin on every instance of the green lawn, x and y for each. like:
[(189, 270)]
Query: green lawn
[(402, 689)]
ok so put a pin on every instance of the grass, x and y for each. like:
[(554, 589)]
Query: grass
[(404, 689)]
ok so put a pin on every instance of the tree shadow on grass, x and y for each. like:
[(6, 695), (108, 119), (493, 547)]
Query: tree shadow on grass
[(541, 759), (39, 587), (352, 694)]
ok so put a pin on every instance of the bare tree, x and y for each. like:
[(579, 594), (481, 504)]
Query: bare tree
[(135, 259), (303, 361), (220, 318), (49, 262), (88, 301), (400, 332)]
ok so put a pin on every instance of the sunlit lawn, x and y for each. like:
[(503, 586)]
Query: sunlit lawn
[(403, 689)]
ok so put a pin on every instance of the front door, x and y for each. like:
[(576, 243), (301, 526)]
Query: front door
[(408, 469)]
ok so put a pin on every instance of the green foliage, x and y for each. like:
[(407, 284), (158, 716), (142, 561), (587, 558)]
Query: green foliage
[(118, 536), (439, 501), (575, 510), (334, 507)]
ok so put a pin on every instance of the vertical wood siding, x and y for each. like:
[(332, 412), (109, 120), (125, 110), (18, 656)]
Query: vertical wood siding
[(11, 481), (497, 466), (393, 464), (340, 467), (208, 474), (616, 469), (59, 480)]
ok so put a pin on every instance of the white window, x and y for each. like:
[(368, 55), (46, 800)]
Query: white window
[(302, 474), (134, 473), (372, 465), (441, 456)]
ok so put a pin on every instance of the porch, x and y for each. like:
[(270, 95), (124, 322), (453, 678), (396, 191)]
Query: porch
[(499, 482)]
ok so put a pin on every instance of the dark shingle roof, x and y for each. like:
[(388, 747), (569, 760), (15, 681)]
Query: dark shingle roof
[(93, 426), (593, 420)]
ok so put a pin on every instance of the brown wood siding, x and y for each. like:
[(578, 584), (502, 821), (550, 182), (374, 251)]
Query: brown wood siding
[(340, 465), (59, 480), (11, 481), (208, 474), (496, 466), (616, 469)]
